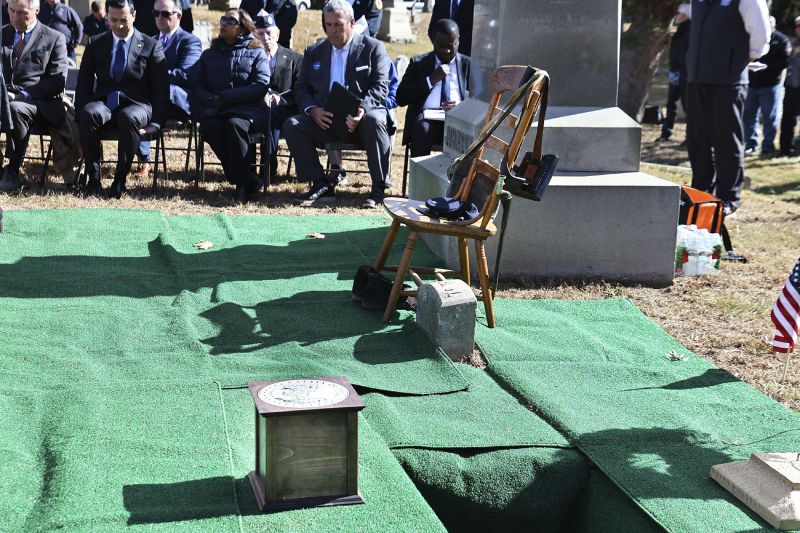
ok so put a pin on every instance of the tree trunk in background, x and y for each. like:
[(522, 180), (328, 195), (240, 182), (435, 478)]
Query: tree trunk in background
[(641, 47)]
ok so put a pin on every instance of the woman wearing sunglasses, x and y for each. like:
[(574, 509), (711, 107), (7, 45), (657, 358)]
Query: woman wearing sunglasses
[(228, 87)]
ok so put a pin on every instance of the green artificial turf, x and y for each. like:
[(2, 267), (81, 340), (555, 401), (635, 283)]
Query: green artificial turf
[(167, 457), (607, 377), (485, 462), (484, 416), (110, 295)]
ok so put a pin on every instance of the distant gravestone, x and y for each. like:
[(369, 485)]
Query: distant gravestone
[(203, 31), (446, 312), (395, 24)]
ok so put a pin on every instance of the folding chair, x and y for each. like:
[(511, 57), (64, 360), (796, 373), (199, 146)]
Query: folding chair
[(482, 185), (258, 139)]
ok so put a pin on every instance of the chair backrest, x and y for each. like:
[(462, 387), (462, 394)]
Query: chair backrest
[(480, 183)]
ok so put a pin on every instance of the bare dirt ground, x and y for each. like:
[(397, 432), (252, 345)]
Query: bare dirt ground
[(723, 318)]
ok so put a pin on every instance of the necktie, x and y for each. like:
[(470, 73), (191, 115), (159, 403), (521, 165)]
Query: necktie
[(446, 89), (17, 52), (164, 41), (118, 67)]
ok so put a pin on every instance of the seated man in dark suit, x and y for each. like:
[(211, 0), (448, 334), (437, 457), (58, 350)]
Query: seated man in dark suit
[(436, 80), (361, 64), (284, 71), (181, 50), (35, 70), (122, 81)]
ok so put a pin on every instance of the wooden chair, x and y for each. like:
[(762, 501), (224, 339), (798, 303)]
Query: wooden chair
[(481, 185)]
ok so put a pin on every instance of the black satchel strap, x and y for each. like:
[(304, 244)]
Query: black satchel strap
[(531, 75)]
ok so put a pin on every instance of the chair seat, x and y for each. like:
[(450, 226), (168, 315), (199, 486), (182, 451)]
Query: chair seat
[(407, 212), (343, 145)]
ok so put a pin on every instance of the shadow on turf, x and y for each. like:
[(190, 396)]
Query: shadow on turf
[(709, 378), (197, 499), (166, 271), (308, 318)]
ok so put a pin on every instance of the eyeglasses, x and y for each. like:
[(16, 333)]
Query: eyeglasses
[(164, 14), (229, 21)]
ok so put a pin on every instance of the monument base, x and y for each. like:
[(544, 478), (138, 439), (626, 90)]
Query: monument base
[(768, 484), (587, 139), (616, 226), (396, 26)]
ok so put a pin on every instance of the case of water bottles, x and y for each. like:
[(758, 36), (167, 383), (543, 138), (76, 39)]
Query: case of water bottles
[(697, 252)]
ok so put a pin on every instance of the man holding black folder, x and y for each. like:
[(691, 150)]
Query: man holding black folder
[(359, 64)]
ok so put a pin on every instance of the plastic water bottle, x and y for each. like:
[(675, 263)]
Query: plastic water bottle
[(697, 252)]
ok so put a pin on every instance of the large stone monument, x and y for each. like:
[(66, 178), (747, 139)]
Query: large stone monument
[(600, 217)]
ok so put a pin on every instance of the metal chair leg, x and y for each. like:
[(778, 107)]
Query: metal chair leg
[(505, 201), (43, 179)]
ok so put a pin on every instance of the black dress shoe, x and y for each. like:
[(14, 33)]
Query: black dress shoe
[(241, 195), (93, 188), (11, 181), (117, 188), (361, 280)]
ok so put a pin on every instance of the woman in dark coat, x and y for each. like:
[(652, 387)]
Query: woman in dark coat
[(228, 87)]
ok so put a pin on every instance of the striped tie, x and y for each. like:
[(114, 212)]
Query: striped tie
[(17, 51)]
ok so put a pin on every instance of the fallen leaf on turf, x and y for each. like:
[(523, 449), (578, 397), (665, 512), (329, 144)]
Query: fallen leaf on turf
[(203, 245), (316, 235), (675, 356)]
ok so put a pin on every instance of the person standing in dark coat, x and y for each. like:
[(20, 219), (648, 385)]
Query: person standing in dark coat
[(122, 80), (284, 67), (228, 84), (371, 10), (725, 36), (791, 97), (35, 70), (461, 11), (65, 20), (678, 48), (423, 87), (284, 11), (95, 22), (765, 93)]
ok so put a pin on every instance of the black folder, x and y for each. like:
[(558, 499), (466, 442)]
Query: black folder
[(341, 103)]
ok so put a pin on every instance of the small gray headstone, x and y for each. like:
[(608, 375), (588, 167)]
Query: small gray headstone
[(446, 312), (401, 64), (202, 30)]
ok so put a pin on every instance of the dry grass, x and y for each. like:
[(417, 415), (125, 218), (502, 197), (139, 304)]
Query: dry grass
[(724, 318)]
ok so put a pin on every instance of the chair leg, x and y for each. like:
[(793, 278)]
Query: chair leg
[(402, 270), (43, 179), (463, 259), (188, 148), (164, 154), (159, 140), (483, 274), (199, 171), (405, 169), (387, 246), (289, 166)]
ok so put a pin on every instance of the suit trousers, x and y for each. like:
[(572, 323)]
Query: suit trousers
[(791, 108), (128, 120), (304, 136), (715, 138), (229, 138), (23, 113), (424, 134)]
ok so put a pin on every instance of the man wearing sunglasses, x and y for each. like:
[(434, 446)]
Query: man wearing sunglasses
[(122, 84), (181, 50)]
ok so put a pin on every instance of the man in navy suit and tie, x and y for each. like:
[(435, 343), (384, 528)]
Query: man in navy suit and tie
[(181, 50), (436, 80), (35, 70), (122, 83), (359, 63)]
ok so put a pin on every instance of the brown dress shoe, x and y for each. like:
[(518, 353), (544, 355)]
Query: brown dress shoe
[(143, 170)]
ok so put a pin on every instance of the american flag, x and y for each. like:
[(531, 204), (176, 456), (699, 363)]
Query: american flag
[(786, 313)]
